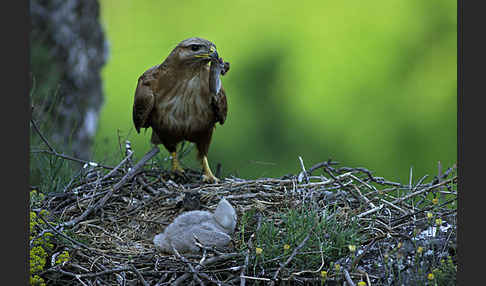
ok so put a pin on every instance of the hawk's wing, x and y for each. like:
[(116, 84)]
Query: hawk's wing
[(144, 98)]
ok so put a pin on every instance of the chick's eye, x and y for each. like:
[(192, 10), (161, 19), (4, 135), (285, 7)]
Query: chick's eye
[(195, 47)]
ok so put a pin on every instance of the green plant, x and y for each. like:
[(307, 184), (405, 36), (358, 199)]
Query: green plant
[(41, 241), (328, 239), (445, 273)]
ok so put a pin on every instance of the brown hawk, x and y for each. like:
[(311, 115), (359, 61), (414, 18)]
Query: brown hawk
[(182, 99)]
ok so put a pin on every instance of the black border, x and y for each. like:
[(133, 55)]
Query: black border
[(15, 115), (471, 78)]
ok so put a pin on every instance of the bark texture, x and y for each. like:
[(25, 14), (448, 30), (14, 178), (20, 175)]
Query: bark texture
[(68, 50)]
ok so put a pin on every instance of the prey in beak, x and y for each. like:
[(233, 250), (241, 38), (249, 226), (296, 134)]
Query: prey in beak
[(218, 67)]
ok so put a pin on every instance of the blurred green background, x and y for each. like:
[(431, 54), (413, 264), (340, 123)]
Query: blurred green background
[(366, 83)]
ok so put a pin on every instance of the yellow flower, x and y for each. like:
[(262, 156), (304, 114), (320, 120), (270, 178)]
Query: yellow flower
[(44, 213), (63, 257), (438, 221), (399, 245), (258, 250), (36, 280), (430, 276), (420, 249), (47, 235), (37, 259), (429, 215), (324, 274), (337, 267), (286, 247), (435, 201), (352, 247), (361, 283)]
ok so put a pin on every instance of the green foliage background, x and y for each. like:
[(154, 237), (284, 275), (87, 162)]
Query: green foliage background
[(367, 83)]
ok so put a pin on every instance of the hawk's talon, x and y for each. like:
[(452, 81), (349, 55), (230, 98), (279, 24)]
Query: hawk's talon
[(210, 179), (208, 176)]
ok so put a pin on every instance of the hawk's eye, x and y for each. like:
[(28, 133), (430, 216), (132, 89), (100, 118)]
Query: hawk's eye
[(195, 47)]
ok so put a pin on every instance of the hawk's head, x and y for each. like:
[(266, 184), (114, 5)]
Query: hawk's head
[(194, 51)]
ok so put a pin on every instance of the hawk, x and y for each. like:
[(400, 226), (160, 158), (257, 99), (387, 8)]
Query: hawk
[(182, 99)]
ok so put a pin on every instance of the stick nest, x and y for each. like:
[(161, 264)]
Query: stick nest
[(107, 219)]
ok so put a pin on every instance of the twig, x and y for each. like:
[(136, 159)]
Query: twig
[(103, 200), (320, 165), (137, 167), (410, 181), (370, 211), (256, 278), (216, 259), (419, 182), (206, 262), (72, 180), (53, 151), (195, 273), (292, 255), (140, 276), (363, 182), (368, 282), (348, 278), (363, 197), (304, 172), (393, 206), (127, 158), (336, 179), (149, 188), (89, 275), (320, 267), (250, 245), (359, 257), (62, 234), (42, 136), (446, 243), (128, 150), (245, 266), (423, 190)]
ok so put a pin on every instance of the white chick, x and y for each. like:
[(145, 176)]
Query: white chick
[(210, 229)]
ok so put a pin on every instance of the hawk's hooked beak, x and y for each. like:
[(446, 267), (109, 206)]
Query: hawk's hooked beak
[(213, 54)]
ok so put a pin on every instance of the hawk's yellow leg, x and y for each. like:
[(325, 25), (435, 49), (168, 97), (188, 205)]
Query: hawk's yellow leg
[(176, 167), (208, 176)]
